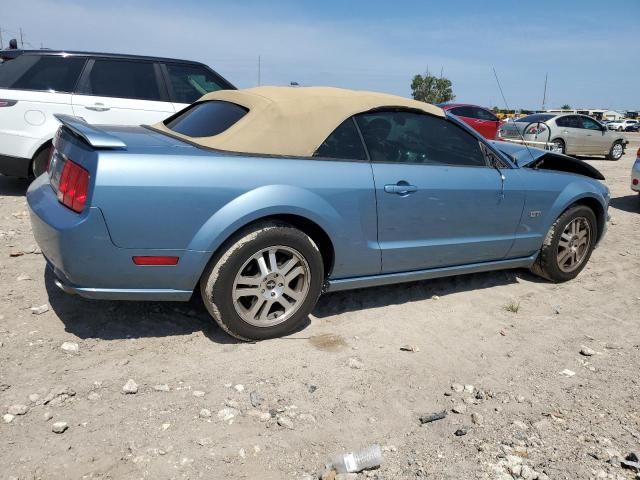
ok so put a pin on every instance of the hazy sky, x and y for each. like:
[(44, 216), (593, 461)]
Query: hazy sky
[(590, 49)]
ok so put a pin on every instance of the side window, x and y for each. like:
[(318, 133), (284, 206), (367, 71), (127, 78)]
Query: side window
[(463, 112), (483, 114), (122, 79), (47, 73), (344, 142), (409, 137), (190, 82), (570, 121), (590, 124)]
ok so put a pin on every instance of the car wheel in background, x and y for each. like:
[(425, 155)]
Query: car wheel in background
[(557, 146), (40, 161), (264, 282), (568, 245), (616, 152)]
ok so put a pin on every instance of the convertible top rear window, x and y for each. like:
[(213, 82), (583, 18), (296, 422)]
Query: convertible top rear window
[(206, 119)]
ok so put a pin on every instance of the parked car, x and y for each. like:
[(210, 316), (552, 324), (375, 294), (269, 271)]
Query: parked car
[(635, 173), (99, 87), (569, 134), (264, 198), (621, 125), (633, 127), (480, 119)]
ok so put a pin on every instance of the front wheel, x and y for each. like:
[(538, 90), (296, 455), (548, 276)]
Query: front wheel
[(568, 245), (264, 283), (616, 152)]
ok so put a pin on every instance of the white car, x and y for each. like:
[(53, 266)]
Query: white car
[(100, 88), (635, 174), (621, 125)]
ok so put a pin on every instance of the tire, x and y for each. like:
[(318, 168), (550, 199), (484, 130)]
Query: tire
[(231, 302), (40, 161), (619, 129), (558, 146), (549, 263), (617, 150)]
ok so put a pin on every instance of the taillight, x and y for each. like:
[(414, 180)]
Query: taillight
[(73, 186), (155, 261), (7, 103), (536, 129), (634, 181)]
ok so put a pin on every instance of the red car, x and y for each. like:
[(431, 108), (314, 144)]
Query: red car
[(478, 118)]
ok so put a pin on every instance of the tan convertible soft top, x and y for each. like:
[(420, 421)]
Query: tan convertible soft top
[(292, 120)]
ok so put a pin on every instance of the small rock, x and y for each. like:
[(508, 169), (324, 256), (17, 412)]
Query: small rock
[(264, 416), (481, 395), (435, 297), (198, 393), (232, 403), (527, 473), (477, 418), (567, 373), (461, 432), (307, 417), (460, 408), (347, 476), (70, 347), (469, 388), (203, 442), (205, 413), (59, 427), (18, 409), (93, 396), (242, 453), (227, 414), (163, 387), (23, 276), (520, 399), (40, 310), (312, 388), (355, 363), (586, 351), (130, 387), (285, 422), (520, 425), (239, 388), (165, 426), (8, 418), (34, 397), (410, 348), (456, 387), (47, 416), (256, 399)]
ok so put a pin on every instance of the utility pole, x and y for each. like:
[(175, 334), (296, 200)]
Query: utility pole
[(544, 95), (21, 40), (1, 44), (259, 72)]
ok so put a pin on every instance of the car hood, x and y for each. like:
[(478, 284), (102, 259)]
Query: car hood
[(536, 158)]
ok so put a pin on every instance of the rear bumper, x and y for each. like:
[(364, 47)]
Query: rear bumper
[(14, 166), (79, 251)]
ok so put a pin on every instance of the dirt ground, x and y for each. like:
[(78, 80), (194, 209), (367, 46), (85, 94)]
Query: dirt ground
[(209, 407)]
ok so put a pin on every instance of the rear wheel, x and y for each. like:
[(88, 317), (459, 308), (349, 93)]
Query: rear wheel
[(265, 283), (616, 152), (568, 245), (40, 161), (557, 146)]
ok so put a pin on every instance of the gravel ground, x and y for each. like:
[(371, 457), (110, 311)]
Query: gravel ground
[(155, 390)]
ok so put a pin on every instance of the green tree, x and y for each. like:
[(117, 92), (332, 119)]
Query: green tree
[(431, 89), (566, 107)]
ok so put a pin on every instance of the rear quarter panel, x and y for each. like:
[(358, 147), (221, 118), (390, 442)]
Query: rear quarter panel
[(195, 201)]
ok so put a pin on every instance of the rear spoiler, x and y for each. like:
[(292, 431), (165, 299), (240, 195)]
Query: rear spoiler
[(91, 134)]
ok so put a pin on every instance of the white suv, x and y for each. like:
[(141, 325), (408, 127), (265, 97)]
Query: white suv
[(621, 125), (100, 88)]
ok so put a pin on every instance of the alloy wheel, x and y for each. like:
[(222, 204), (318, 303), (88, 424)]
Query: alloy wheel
[(574, 244), (617, 151), (557, 146), (271, 286)]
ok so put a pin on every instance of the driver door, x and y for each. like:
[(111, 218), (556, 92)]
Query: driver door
[(439, 203)]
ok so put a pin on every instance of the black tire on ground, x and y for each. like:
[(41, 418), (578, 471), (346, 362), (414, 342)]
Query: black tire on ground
[(611, 156), (547, 264), (218, 280), (561, 144), (40, 161)]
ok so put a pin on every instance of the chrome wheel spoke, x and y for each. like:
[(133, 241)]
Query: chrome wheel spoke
[(573, 245), (266, 293)]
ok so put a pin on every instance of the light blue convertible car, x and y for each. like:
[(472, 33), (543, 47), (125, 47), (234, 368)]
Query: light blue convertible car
[(266, 197)]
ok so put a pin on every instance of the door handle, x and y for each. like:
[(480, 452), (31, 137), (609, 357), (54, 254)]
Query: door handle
[(401, 188), (97, 107)]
